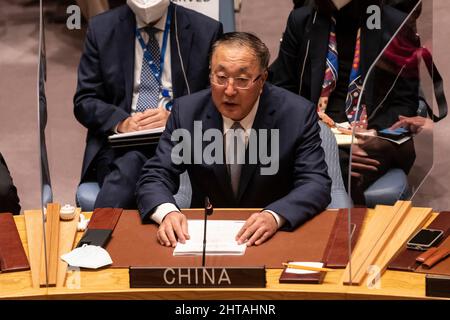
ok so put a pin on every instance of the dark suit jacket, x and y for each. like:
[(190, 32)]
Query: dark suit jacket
[(106, 71), (287, 68), (300, 189)]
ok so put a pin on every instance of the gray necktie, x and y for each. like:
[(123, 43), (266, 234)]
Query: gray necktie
[(235, 154)]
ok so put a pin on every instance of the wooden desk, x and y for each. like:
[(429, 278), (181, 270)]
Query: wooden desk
[(114, 284)]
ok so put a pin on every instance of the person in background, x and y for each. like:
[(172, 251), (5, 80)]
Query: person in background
[(137, 59), (325, 56), (9, 200)]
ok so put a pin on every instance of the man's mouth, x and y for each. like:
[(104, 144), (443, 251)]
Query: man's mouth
[(229, 103)]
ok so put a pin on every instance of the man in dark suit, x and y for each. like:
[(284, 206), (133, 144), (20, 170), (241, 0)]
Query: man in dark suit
[(9, 200), (306, 56), (137, 58), (238, 103)]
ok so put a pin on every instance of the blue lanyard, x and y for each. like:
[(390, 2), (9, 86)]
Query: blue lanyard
[(147, 54)]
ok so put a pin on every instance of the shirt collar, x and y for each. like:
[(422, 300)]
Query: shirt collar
[(246, 123), (160, 24)]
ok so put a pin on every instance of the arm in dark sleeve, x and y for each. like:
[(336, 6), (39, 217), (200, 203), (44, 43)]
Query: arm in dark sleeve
[(284, 72), (160, 175), (91, 107), (312, 185)]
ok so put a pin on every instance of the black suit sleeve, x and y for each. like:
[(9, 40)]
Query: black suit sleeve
[(312, 186), (91, 107), (285, 70), (9, 200), (160, 174)]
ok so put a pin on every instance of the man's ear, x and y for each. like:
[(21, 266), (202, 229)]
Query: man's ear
[(264, 76)]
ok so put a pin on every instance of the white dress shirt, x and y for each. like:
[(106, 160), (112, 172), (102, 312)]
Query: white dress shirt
[(246, 123)]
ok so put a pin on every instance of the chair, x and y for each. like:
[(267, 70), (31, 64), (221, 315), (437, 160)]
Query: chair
[(226, 15), (47, 194), (389, 188), (339, 197), (87, 194)]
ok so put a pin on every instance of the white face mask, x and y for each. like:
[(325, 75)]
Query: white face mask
[(339, 4), (149, 10)]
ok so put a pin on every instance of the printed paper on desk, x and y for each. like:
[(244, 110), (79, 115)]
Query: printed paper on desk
[(136, 133), (220, 238)]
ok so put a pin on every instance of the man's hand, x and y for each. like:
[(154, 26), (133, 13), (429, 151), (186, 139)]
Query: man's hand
[(131, 123), (413, 124), (173, 226), (257, 229), (153, 118), (361, 162)]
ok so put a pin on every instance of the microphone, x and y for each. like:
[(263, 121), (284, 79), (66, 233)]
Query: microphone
[(208, 211)]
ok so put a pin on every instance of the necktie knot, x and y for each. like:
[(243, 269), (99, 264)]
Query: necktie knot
[(150, 30), (236, 125)]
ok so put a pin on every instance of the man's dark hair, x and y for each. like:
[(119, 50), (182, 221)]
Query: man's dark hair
[(248, 40)]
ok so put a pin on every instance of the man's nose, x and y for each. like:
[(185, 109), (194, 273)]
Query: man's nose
[(230, 90)]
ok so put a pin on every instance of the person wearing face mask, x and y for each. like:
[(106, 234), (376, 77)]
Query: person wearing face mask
[(137, 58), (325, 55)]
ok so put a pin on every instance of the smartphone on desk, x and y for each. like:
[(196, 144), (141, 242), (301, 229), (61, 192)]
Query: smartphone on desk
[(424, 239), (395, 134)]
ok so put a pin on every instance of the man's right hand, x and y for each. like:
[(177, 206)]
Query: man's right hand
[(361, 162), (131, 123), (173, 226)]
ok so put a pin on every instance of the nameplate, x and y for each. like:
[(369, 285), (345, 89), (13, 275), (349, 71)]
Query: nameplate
[(437, 286), (198, 277)]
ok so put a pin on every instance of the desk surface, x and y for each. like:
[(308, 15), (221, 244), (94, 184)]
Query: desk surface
[(112, 283)]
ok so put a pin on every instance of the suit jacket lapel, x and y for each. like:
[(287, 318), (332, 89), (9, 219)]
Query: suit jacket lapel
[(319, 48), (263, 120), (125, 31), (185, 36)]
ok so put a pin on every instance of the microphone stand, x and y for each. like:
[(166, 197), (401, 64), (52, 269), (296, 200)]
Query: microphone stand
[(208, 211)]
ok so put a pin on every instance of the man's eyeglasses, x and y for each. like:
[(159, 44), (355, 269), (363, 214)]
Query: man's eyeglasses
[(239, 82)]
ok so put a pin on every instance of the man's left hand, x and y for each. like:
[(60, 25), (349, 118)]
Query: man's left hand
[(257, 229)]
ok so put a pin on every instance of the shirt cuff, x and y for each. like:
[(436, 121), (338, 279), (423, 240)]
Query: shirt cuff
[(162, 211), (279, 219), (115, 128)]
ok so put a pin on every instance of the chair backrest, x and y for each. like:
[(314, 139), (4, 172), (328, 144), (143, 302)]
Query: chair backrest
[(339, 197), (226, 15)]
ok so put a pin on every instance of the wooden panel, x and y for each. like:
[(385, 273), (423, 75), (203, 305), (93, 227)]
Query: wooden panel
[(67, 233), (380, 231), (378, 221), (45, 250), (416, 219), (53, 255), (34, 229)]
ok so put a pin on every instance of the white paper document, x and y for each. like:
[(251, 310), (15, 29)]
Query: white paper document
[(220, 238), (136, 133)]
